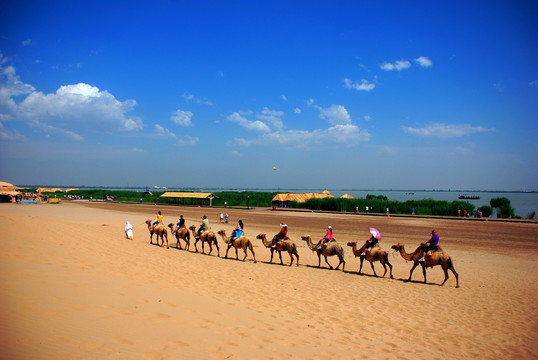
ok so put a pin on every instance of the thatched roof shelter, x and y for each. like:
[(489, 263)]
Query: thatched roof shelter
[(283, 198), (189, 195), (347, 196), (7, 192)]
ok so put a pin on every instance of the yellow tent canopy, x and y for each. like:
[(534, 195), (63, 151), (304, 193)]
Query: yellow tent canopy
[(347, 196)]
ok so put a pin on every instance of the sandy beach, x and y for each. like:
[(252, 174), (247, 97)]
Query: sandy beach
[(73, 287)]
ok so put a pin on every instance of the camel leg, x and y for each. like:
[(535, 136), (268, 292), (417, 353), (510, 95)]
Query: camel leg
[(384, 267), (319, 260), (291, 258), (195, 246), (167, 245), (252, 251), (280, 256), (373, 269), (424, 273), (272, 252), (210, 248), (412, 269), (297, 256), (227, 249), (456, 275), (342, 262), (445, 270), (217, 246), (328, 262), (360, 268), (390, 267)]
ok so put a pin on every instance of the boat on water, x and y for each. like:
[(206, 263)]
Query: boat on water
[(468, 197)]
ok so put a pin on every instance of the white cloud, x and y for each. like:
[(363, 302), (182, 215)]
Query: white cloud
[(80, 107), (182, 118), (297, 110), (446, 131), (336, 115), (424, 61), (284, 98), (534, 83), (51, 130), (247, 124), (363, 86), (161, 131), (398, 65), (26, 42), (9, 135), (310, 101), (189, 140), (367, 118), (203, 100), (272, 117)]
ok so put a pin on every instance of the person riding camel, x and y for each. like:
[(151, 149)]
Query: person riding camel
[(204, 226), (370, 243), (158, 220), (328, 237), (281, 235), (237, 232), (430, 245)]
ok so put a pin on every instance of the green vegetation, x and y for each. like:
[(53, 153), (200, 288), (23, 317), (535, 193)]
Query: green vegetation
[(505, 210), (486, 210), (380, 203)]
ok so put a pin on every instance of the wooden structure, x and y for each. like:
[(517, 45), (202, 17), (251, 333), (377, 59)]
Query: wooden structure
[(284, 199), (189, 195)]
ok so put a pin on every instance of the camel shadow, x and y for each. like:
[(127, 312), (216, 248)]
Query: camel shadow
[(323, 268), (420, 282)]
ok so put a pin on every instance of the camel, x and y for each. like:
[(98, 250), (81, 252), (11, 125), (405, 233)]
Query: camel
[(285, 245), (242, 242), (329, 249), (181, 233), (375, 254), (438, 257), (159, 230), (206, 236)]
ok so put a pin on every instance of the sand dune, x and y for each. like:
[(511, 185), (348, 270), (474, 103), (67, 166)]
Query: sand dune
[(72, 287)]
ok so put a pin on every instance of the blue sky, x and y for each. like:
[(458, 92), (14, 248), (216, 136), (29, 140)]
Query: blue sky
[(333, 94)]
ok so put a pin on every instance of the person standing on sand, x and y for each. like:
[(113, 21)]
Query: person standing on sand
[(221, 217), (226, 218), (129, 230), (430, 245)]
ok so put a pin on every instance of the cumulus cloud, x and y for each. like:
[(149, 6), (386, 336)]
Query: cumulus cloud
[(446, 130), (188, 140), (80, 106), (297, 110), (182, 118), (424, 61), (398, 65), (341, 131), (163, 132), (273, 117), (203, 100), (336, 115), (9, 135), (247, 124), (364, 85)]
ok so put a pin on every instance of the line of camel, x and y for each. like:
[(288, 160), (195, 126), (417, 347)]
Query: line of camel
[(332, 248)]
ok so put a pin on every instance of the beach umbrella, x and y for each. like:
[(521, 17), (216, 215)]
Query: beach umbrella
[(375, 233)]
